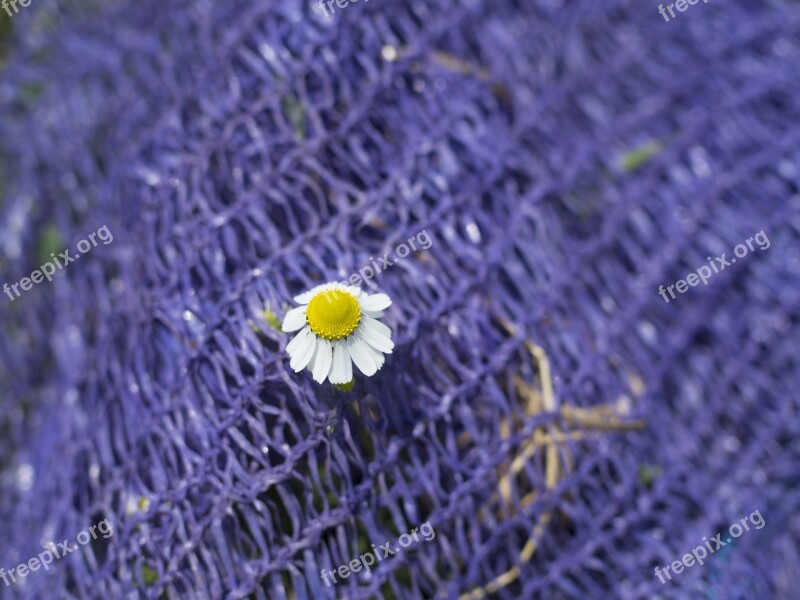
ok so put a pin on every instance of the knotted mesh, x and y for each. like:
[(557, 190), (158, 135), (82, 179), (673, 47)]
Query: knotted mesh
[(561, 427)]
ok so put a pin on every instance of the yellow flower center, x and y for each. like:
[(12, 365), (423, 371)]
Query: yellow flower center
[(333, 314)]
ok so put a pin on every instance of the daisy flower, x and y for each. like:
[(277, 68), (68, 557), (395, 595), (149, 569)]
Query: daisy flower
[(338, 327)]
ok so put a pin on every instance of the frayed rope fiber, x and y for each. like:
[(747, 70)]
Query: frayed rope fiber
[(561, 428)]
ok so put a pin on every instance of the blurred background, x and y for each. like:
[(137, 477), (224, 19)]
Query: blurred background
[(563, 430)]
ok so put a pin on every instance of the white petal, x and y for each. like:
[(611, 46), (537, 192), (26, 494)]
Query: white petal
[(361, 355), (304, 353), (322, 361), (375, 314), (306, 297), (298, 339), (342, 368), (376, 334), (375, 301), (377, 357), (294, 319), (379, 326)]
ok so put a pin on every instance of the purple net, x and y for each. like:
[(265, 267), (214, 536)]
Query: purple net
[(562, 428)]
